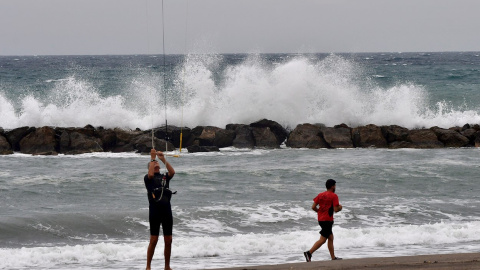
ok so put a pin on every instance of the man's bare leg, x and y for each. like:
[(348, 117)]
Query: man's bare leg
[(151, 250), (167, 251), (318, 244), (330, 246)]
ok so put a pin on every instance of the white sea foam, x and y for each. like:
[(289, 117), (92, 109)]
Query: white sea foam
[(262, 212), (106, 155), (300, 90), (83, 156), (7, 113), (79, 256), (269, 248)]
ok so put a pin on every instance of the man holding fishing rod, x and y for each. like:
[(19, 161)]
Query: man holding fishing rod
[(160, 210)]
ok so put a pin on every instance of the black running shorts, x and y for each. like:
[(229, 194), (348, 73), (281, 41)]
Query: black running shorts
[(326, 228), (160, 214)]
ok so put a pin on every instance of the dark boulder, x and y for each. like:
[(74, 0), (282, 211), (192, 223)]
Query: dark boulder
[(64, 139), (394, 133), (306, 136), (42, 141), (162, 132), (457, 129), (477, 139), (124, 141), (368, 136), (243, 136), (451, 137), (81, 143), (75, 141), (423, 138), (469, 133), (342, 125), (264, 138), (88, 130), (173, 135), (107, 137), (205, 135), (224, 138), (401, 144), (279, 132), (5, 147), (337, 137), (14, 136), (198, 148), (143, 144)]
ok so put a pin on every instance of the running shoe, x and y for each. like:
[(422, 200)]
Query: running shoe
[(308, 256)]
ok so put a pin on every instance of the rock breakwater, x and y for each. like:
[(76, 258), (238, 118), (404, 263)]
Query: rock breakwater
[(261, 134)]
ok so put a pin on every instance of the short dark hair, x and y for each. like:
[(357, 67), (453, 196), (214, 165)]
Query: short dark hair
[(330, 183)]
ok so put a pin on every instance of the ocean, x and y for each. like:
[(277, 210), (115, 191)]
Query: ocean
[(238, 207)]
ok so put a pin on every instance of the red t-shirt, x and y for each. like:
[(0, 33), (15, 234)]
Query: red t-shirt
[(325, 201)]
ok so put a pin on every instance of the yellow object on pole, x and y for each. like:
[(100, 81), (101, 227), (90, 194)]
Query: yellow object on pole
[(181, 138)]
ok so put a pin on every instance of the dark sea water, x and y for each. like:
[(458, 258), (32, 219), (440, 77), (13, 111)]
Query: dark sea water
[(238, 206), (407, 89)]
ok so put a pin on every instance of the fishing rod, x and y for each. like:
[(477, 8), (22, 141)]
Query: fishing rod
[(166, 137), (164, 84), (165, 88), (184, 76)]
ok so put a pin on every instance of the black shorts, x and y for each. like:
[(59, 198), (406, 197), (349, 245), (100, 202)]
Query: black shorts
[(160, 214), (326, 228)]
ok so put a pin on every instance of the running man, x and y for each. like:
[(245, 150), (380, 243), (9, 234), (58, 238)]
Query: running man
[(327, 203), (160, 211)]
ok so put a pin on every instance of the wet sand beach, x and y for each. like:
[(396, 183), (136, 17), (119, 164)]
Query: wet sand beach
[(443, 261)]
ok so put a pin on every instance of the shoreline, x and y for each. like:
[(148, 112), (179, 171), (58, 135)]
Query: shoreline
[(438, 261)]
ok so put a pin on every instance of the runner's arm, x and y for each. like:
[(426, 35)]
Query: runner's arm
[(314, 207)]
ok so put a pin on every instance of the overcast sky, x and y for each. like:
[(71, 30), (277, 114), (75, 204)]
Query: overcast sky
[(39, 27)]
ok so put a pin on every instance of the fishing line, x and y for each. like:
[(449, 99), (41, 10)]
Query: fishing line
[(148, 34), (148, 52), (164, 85)]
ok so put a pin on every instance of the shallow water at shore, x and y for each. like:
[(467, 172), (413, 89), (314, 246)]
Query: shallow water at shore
[(237, 207)]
